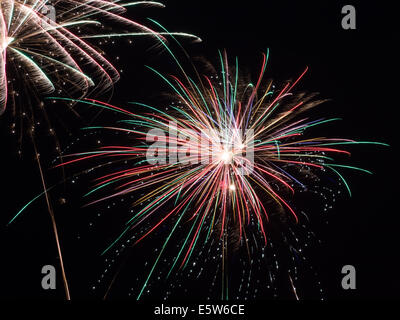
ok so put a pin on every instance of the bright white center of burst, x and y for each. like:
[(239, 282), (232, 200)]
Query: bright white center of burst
[(5, 43), (226, 156), (232, 187)]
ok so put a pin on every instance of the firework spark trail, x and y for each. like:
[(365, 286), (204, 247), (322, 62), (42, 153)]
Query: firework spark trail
[(41, 54), (211, 122), (53, 224)]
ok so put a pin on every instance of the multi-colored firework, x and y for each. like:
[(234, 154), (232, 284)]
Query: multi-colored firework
[(225, 154)]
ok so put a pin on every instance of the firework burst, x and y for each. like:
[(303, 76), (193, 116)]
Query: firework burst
[(44, 49), (219, 154)]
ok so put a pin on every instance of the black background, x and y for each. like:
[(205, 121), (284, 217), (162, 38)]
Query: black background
[(354, 68)]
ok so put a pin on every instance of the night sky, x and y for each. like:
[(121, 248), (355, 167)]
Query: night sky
[(352, 68)]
